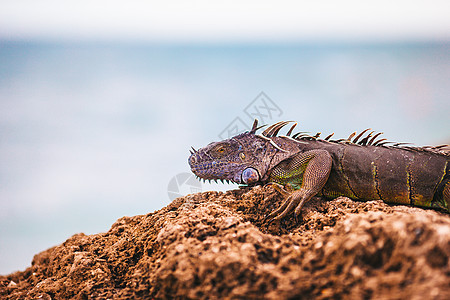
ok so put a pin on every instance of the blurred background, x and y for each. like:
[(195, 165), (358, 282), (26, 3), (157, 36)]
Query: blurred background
[(100, 101)]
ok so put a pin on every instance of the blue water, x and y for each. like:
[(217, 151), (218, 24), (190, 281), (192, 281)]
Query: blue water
[(92, 132)]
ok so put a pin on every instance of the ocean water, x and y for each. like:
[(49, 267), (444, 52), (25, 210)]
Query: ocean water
[(90, 132)]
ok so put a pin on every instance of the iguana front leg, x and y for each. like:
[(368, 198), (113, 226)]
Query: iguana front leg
[(307, 172)]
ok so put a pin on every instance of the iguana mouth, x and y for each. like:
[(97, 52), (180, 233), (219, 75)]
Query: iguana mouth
[(208, 169)]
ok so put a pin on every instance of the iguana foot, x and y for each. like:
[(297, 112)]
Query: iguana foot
[(295, 199), (285, 190), (286, 194)]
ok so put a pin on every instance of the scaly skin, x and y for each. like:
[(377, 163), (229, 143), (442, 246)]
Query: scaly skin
[(303, 166)]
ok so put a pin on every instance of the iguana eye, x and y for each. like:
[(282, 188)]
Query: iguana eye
[(221, 149), (242, 155)]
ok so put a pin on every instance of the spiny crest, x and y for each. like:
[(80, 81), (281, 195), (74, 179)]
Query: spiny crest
[(365, 138)]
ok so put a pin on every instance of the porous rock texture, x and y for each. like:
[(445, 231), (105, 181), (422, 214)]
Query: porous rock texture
[(216, 245)]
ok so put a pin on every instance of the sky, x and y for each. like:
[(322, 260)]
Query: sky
[(100, 101), (225, 21)]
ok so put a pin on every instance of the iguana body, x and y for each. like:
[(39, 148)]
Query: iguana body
[(302, 166)]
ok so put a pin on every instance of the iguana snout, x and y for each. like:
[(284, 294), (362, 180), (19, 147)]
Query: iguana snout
[(219, 161)]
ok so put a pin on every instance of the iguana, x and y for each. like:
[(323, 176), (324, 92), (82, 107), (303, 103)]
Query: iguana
[(300, 166)]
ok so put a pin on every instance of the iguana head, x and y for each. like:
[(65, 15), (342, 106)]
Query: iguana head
[(236, 159), (244, 158)]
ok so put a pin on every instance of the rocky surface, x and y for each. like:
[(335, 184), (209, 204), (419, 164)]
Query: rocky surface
[(216, 246)]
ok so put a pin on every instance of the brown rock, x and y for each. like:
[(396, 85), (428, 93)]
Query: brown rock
[(216, 245)]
